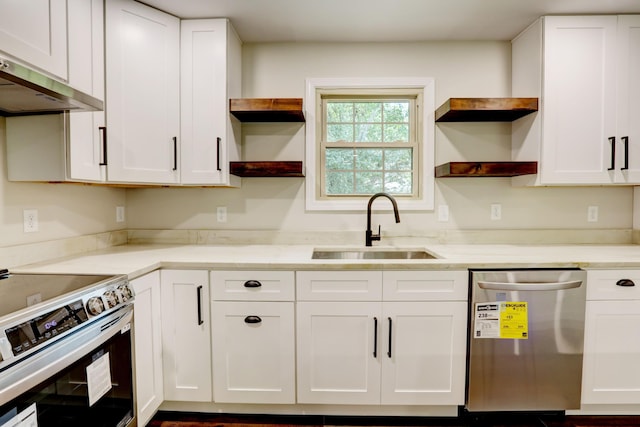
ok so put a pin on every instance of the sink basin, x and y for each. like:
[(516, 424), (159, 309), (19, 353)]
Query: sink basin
[(371, 254)]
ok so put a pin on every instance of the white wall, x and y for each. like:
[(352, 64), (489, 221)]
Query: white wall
[(461, 69), (64, 210)]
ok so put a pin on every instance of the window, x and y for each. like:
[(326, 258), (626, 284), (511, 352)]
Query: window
[(366, 136)]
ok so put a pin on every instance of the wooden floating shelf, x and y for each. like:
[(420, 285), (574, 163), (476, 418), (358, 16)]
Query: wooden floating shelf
[(485, 169), (266, 169), (267, 109), (485, 109)]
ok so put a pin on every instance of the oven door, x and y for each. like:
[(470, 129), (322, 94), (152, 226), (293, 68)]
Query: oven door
[(82, 380)]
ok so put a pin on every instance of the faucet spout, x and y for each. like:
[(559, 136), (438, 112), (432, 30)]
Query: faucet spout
[(369, 236)]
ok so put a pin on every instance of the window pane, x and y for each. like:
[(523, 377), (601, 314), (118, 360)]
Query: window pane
[(336, 133), (369, 159), (339, 112), (396, 111), (398, 159), (368, 182), (339, 183), (368, 133), (339, 159), (398, 182), (368, 112), (396, 133)]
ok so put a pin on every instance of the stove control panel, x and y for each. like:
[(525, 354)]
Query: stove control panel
[(54, 321)]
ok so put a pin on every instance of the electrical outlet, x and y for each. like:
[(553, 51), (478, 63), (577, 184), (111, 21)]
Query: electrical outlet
[(221, 213), (443, 213), (119, 213), (592, 214), (30, 218), (496, 211), (34, 299)]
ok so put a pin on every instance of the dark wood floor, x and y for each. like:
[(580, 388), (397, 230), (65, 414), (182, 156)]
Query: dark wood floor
[(173, 419)]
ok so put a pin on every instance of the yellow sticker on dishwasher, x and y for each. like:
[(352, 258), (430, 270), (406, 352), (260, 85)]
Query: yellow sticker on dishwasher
[(501, 319), (514, 322)]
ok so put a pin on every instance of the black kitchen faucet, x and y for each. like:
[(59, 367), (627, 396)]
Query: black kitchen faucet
[(369, 236)]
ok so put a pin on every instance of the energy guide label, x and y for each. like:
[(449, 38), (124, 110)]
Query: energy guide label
[(501, 319)]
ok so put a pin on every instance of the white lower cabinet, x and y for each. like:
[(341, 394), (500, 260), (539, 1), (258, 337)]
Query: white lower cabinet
[(380, 352), (612, 339), (253, 337), (186, 342), (147, 336)]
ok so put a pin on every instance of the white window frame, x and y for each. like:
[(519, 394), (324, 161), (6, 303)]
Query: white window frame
[(425, 200)]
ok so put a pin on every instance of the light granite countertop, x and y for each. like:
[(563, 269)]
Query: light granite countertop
[(136, 260)]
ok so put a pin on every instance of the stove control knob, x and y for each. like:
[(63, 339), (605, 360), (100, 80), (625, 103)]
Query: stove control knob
[(111, 298), (125, 292), (95, 305)]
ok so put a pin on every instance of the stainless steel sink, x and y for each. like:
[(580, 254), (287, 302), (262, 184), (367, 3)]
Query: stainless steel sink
[(372, 254)]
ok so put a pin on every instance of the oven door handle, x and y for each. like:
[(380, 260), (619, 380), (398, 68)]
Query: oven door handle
[(42, 365)]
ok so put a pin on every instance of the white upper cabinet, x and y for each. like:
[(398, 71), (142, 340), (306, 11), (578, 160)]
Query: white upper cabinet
[(36, 32), (66, 146), (210, 75), (581, 68), (143, 109), (86, 130)]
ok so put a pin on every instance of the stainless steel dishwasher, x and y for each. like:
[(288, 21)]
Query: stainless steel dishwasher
[(526, 340)]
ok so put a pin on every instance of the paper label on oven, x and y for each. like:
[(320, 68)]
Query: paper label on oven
[(98, 378), (26, 418), (502, 320)]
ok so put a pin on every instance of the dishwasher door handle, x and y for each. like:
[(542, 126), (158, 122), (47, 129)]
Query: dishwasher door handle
[(529, 286)]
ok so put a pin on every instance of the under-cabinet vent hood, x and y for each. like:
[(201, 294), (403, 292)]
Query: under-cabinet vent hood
[(26, 91)]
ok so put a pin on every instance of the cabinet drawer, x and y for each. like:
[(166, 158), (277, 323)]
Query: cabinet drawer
[(428, 285), (606, 284), (339, 285), (253, 285)]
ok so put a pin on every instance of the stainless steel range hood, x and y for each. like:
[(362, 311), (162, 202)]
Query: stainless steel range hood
[(26, 91)]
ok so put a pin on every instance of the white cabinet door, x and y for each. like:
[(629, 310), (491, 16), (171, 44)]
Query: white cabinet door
[(186, 336), (583, 68), (423, 353), (210, 75), (578, 99), (628, 93), (147, 335), (611, 353), (338, 352), (36, 32), (143, 71), (253, 352), (86, 73)]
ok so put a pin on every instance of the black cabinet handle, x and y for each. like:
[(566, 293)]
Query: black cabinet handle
[(252, 319), (375, 337), (252, 284), (175, 153), (103, 131), (390, 329), (612, 139), (199, 297), (625, 283), (625, 140), (218, 141)]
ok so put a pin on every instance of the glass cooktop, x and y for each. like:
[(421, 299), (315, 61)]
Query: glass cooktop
[(18, 291)]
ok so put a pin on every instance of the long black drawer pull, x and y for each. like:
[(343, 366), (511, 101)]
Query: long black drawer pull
[(390, 329), (612, 139), (218, 141), (103, 131), (175, 153), (625, 283), (252, 284), (375, 337), (199, 296), (625, 140), (252, 319)]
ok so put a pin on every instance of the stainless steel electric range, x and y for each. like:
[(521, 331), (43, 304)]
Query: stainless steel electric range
[(65, 350)]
